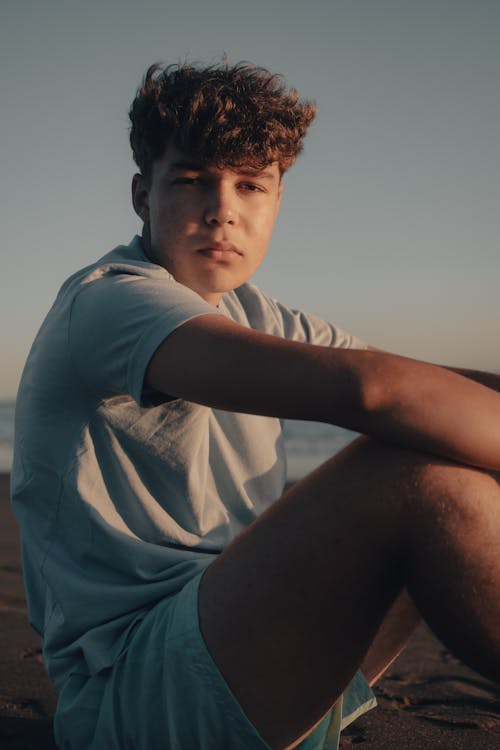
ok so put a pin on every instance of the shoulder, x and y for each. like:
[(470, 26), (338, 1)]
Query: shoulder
[(126, 281), (250, 306), (123, 260)]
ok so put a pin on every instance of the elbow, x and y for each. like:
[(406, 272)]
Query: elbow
[(373, 397), (375, 390)]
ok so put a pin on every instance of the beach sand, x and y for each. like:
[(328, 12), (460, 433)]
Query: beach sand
[(427, 699)]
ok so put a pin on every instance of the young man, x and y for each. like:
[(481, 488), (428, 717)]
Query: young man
[(185, 601)]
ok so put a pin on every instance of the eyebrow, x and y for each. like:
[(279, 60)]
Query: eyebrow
[(179, 166)]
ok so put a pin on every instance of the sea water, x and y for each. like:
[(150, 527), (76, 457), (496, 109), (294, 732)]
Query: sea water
[(307, 443), (6, 434)]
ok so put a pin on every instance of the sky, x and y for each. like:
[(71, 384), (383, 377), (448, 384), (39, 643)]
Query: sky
[(390, 222)]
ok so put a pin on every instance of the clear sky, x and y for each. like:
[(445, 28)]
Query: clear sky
[(390, 224)]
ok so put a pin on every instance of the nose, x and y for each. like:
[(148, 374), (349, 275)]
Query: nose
[(220, 207)]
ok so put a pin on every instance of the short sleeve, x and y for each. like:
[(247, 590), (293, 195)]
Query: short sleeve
[(271, 316), (117, 322), (303, 326)]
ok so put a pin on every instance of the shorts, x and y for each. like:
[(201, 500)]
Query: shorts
[(165, 692)]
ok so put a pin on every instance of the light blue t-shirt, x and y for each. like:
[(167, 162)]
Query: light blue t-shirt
[(121, 494)]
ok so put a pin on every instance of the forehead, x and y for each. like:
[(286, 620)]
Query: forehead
[(174, 160)]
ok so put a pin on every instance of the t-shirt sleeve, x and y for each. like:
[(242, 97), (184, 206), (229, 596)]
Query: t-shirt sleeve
[(268, 314), (118, 321), (309, 328)]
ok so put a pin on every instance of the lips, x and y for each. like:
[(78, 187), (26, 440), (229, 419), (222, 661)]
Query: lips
[(220, 251)]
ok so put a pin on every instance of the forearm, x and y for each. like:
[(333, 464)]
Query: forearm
[(441, 411), (489, 379), (212, 361)]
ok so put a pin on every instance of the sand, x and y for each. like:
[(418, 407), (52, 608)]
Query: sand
[(427, 700)]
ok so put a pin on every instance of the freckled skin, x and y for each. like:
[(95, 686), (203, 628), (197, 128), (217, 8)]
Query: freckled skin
[(210, 228)]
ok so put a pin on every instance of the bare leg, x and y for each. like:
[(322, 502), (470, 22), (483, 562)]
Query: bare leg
[(394, 633), (291, 607)]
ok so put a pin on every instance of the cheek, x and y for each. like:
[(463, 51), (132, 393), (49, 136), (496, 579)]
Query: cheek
[(171, 222), (265, 228)]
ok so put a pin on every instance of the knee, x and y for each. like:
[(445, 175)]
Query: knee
[(448, 506), (419, 485), (456, 484), (424, 472)]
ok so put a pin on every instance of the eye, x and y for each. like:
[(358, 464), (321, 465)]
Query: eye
[(251, 187), (187, 181)]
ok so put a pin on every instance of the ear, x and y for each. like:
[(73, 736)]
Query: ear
[(140, 197), (280, 195)]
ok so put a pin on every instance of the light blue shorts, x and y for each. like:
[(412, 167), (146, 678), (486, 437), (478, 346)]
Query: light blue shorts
[(165, 692)]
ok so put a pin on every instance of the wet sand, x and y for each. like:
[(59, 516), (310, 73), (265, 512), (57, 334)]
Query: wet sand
[(427, 700)]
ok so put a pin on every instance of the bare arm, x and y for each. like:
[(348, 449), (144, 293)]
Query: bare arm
[(213, 361), (489, 379)]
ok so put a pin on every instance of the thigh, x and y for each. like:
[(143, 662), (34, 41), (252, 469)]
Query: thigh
[(290, 608)]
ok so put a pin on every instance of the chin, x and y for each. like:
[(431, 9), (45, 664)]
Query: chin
[(220, 286)]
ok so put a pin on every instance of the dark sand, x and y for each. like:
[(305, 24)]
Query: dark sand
[(427, 699)]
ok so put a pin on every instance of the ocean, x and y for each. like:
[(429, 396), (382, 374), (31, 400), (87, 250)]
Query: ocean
[(307, 443), (6, 434)]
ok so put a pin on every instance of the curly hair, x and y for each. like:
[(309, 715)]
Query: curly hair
[(224, 115)]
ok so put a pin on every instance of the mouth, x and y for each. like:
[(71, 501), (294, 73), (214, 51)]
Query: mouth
[(220, 251)]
